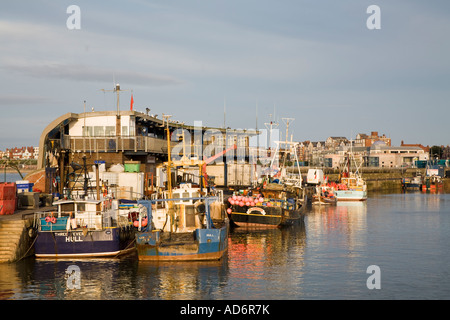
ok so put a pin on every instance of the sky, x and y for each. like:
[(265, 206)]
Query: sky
[(315, 62)]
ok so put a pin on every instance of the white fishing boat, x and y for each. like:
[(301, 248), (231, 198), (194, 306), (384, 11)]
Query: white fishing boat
[(351, 186)]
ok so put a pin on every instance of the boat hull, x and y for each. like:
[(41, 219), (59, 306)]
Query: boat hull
[(351, 195), (323, 200), (268, 217), (202, 244), (102, 243)]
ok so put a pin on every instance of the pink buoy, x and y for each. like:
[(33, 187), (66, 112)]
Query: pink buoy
[(229, 210), (232, 202), (234, 197), (247, 203), (241, 203), (252, 203)]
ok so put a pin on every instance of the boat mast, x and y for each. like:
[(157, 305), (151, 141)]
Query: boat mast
[(169, 171)]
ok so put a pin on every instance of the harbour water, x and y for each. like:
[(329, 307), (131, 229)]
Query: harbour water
[(406, 235)]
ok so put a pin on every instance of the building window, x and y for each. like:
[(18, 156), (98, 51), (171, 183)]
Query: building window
[(99, 131), (88, 131), (110, 131)]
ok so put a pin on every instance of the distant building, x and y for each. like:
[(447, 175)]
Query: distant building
[(364, 140), (384, 156), (335, 142), (20, 153), (426, 149)]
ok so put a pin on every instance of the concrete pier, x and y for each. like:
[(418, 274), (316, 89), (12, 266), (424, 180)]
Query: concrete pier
[(16, 235)]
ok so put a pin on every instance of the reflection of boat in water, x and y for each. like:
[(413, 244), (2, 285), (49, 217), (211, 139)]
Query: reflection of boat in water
[(357, 207)]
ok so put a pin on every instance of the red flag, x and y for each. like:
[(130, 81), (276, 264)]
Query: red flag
[(132, 102)]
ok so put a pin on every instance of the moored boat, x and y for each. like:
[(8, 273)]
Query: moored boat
[(181, 223), (432, 184), (83, 228), (189, 228), (325, 194), (351, 186), (274, 206), (414, 183)]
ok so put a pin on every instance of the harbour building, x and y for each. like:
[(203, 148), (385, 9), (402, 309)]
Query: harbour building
[(137, 140)]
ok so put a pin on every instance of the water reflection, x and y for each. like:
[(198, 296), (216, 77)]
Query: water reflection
[(263, 259), (406, 234), (182, 280), (107, 279)]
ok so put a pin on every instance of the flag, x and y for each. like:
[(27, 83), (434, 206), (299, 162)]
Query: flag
[(131, 102)]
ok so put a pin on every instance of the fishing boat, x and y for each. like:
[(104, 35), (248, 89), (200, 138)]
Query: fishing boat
[(275, 205), (86, 224), (351, 186), (182, 223), (414, 183), (277, 201), (83, 228), (433, 177), (324, 195), (184, 226), (432, 184)]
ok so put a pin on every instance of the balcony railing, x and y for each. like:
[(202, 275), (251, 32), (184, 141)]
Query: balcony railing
[(115, 144)]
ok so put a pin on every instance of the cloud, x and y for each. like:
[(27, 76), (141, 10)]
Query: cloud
[(79, 72), (14, 99)]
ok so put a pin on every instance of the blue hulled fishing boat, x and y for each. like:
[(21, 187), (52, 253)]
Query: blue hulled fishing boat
[(180, 228), (83, 228)]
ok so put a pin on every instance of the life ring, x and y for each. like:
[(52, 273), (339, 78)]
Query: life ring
[(47, 219), (54, 183), (53, 220)]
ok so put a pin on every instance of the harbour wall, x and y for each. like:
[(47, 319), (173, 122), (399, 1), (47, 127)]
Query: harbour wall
[(385, 179)]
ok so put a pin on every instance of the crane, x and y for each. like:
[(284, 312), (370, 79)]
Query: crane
[(211, 159)]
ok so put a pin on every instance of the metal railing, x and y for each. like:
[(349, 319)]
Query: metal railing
[(91, 220), (115, 144)]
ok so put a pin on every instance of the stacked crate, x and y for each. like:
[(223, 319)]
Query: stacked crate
[(8, 199)]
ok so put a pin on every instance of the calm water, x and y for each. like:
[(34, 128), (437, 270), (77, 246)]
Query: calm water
[(406, 235), (11, 177)]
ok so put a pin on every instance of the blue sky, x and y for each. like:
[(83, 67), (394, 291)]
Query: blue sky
[(315, 61)]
